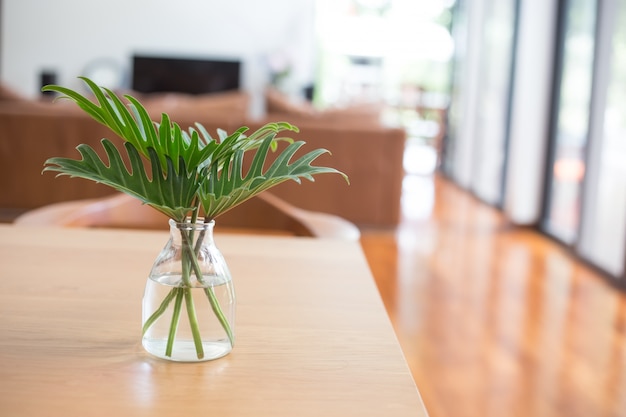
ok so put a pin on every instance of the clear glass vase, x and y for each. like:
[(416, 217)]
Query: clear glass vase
[(189, 301)]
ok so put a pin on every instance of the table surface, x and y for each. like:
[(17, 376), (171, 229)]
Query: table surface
[(313, 338)]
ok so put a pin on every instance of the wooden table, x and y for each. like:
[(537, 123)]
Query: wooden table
[(313, 338)]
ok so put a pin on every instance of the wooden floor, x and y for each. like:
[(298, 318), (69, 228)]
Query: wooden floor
[(496, 320)]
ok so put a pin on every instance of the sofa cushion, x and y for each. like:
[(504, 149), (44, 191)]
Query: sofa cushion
[(8, 94), (227, 106), (278, 103), (280, 106)]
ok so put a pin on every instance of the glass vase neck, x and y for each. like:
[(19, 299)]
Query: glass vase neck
[(191, 231), (188, 225)]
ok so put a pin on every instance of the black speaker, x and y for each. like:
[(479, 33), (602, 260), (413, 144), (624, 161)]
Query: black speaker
[(47, 77), (309, 92)]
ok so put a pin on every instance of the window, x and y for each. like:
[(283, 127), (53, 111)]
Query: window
[(603, 222), (567, 162)]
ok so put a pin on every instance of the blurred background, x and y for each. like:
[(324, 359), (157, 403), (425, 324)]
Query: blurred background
[(520, 102)]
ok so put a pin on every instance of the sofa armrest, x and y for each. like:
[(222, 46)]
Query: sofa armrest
[(371, 157)]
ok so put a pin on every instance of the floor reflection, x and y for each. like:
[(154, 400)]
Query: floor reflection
[(496, 320)]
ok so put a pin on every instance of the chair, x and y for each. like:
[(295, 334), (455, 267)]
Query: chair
[(264, 213)]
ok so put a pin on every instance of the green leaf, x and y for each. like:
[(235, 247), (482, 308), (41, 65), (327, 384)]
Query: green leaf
[(229, 188), (188, 169), (169, 191), (132, 123)]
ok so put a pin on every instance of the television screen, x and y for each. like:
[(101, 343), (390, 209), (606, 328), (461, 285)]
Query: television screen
[(153, 74)]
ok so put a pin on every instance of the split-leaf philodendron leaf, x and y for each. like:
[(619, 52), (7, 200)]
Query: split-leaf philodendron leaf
[(189, 170)]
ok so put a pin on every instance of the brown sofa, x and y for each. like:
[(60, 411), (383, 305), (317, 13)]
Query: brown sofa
[(371, 155)]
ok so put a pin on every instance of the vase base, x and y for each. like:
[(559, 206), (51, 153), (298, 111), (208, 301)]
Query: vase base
[(185, 351)]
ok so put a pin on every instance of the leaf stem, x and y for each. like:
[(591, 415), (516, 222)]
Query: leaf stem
[(174, 323), (188, 259), (215, 305), (159, 311), (193, 322), (213, 301)]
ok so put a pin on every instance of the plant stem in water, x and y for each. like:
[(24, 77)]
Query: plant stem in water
[(174, 323)]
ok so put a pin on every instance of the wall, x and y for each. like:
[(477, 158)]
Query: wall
[(66, 35)]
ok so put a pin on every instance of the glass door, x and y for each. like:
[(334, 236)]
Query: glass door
[(459, 69), (571, 129), (494, 100), (603, 224), (585, 205)]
